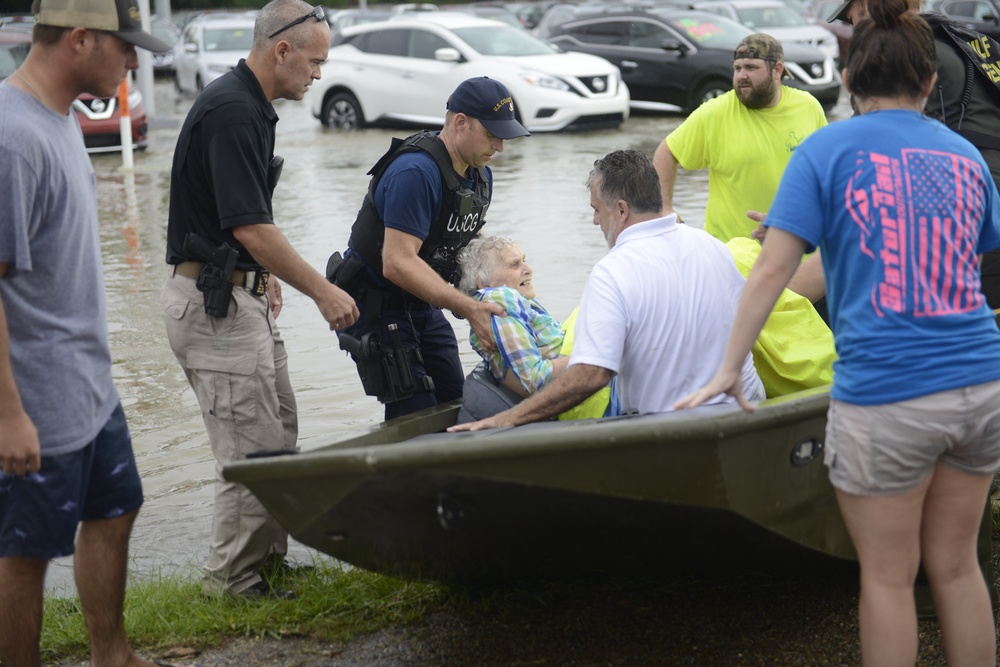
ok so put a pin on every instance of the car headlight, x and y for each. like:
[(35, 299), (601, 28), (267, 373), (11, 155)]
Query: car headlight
[(543, 80)]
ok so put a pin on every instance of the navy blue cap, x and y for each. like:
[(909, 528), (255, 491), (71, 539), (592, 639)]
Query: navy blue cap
[(488, 101)]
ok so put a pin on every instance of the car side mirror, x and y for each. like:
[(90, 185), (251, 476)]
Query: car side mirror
[(990, 17), (190, 47), (673, 45), (448, 55)]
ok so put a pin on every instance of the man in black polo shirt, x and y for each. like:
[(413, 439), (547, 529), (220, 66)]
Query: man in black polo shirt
[(220, 299)]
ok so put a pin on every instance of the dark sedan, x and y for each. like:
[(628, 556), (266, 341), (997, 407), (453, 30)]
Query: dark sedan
[(675, 59), (979, 15)]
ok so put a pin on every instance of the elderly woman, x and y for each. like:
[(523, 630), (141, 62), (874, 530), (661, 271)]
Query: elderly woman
[(532, 346)]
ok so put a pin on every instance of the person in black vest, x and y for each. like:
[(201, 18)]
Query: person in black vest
[(966, 98), (428, 198)]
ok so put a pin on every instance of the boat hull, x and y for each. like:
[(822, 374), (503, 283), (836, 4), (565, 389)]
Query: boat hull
[(677, 493)]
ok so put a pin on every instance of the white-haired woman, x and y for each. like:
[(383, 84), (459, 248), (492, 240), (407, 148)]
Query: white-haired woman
[(531, 343)]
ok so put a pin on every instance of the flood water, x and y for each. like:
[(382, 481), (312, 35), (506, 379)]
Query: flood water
[(539, 200)]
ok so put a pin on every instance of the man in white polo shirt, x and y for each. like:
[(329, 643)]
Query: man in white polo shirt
[(656, 311)]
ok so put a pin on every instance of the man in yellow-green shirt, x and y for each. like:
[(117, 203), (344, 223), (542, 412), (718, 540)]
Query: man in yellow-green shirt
[(745, 138)]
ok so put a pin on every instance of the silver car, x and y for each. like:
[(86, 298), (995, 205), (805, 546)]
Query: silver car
[(211, 45)]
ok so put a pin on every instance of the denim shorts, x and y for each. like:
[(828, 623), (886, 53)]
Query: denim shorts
[(883, 450), (39, 512)]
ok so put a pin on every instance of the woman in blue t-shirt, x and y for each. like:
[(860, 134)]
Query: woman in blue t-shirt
[(900, 207)]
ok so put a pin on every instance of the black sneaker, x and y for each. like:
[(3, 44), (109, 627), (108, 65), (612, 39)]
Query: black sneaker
[(277, 566), (262, 589)]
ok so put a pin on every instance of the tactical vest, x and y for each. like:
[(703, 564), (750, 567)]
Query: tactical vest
[(462, 215), (981, 54)]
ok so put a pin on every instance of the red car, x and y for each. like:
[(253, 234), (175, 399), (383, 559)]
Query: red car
[(99, 117)]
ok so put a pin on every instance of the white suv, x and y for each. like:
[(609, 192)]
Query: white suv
[(401, 71)]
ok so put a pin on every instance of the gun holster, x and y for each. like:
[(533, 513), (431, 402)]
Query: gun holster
[(386, 371), (215, 277), (347, 274), (216, 288)]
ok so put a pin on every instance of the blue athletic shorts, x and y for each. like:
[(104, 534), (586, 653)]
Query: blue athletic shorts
[(39, 512)]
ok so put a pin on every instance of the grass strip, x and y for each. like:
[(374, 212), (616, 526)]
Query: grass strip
[(333, 603)]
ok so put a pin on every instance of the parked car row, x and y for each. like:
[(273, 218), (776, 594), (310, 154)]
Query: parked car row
[(674, 59), (598, 64), (776, 19), (100, 117)]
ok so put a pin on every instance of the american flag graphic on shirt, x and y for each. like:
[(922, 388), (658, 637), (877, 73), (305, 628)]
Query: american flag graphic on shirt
[(919, 215)]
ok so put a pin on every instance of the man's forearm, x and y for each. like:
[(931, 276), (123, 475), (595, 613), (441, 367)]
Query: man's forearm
[(273, 251), (10, 397), (808, 280), (415, 276), (563, 393), (666, 168)]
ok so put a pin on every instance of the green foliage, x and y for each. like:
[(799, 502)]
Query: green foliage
[(334, 603)]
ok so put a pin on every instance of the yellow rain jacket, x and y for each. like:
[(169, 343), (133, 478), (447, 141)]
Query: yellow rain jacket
[(795, 349)]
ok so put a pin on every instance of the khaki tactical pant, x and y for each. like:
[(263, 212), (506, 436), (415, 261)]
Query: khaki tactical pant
[(238, 369)]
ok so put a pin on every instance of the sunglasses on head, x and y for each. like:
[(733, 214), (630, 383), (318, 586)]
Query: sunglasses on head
[(317, 13)]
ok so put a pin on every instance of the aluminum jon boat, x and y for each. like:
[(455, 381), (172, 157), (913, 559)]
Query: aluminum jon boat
[(661, 495)]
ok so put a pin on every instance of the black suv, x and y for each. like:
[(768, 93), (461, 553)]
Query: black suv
[(673, 59)]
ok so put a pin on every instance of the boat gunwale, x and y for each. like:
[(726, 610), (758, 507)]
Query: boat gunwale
[(431, 449)]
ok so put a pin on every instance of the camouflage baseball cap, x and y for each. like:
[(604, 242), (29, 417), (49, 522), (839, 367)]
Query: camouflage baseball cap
[(759, 45), (764, 47)]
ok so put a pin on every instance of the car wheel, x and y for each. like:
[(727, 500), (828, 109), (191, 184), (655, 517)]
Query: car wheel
[(199, 86), (343, 112), (709, 90)]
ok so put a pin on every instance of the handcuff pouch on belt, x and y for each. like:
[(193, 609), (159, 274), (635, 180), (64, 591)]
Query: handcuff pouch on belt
[(215, 277), (386, 371), (260, 281)]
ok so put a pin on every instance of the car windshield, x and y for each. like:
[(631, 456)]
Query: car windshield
[(503, 40), (770, 17), (496, 14), (11, 57), (824, 9), (164, 32), (712, 32), (229, 39)]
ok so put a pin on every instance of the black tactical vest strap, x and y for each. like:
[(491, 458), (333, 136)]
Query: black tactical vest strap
[(981, 54), (445, 238)]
